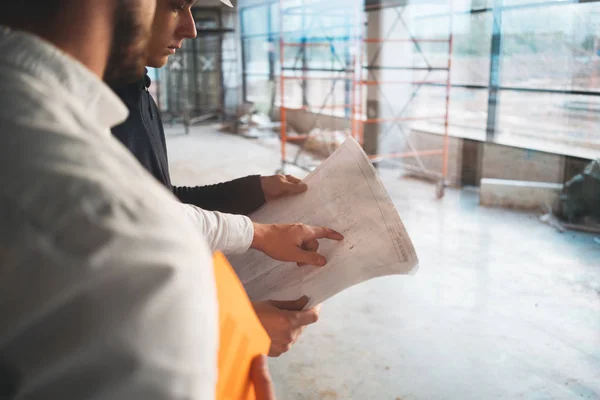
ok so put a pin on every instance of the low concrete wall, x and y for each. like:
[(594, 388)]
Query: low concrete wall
[(521, 195), (496, 162), (503, 162)]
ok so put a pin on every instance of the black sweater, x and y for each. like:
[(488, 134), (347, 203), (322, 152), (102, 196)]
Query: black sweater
[(143, 134)]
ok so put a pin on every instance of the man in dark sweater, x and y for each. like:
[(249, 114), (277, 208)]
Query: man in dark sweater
[(143, 134)]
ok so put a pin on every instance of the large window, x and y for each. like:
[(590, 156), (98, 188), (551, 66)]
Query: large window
[(549, 77), (317, 47), (524, 73)]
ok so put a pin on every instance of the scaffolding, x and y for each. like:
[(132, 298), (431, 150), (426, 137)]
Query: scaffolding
[(398, 115), (330, 32), (364, 75)]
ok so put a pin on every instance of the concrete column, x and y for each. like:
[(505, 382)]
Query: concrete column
[(372, 131)]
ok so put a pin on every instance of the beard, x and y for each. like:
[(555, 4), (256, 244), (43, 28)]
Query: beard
[(129, 45)]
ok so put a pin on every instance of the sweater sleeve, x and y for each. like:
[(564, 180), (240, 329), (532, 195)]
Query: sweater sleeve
[(240, 196)]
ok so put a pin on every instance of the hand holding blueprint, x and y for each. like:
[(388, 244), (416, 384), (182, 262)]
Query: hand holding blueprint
[(345, 194)]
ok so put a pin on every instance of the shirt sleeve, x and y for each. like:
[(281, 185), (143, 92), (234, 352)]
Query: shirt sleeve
[(229, 233), (240, 196)]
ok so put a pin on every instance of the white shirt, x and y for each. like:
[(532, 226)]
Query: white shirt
[(229, 233), (106, 288)]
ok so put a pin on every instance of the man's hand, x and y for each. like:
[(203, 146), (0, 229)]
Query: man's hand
[(292, 243), (277, 186), (284, 321), (261, 379)]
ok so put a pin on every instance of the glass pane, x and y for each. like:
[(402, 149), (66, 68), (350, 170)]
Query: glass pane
[(256, 54), (467, 5), (558, 123), (291, 16), (432, 30), (511, 3), (472, 36), (255, 20), (467, 114), (335, 56), (551, 47), (328, 96), (471, 49), (292, 93), (275, 18), (259, 91)]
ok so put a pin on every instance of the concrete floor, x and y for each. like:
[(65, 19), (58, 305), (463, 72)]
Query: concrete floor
[(502, 307)]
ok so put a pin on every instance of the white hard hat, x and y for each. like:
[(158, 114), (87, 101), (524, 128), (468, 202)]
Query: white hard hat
[(228, 2)]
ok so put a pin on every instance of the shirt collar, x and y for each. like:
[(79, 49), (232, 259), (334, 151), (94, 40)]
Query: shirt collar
[(45, 62)]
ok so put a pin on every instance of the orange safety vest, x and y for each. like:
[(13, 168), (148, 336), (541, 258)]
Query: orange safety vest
[(241, 335)]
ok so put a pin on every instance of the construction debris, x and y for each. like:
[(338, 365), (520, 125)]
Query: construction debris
[(579, 203), (580, 200), (251, 124), (554, 222), (324, 142)]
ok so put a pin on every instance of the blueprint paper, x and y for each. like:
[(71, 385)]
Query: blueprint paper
[(345, 194)]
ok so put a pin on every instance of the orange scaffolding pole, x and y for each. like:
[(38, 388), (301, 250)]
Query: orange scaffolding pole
[(315, 78), (346, 73), (379, 40), (448, 87), (283, 115)]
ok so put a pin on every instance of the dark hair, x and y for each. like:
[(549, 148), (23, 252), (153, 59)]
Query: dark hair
[(21, 14)]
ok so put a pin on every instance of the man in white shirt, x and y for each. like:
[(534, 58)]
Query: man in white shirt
[(106, 291)]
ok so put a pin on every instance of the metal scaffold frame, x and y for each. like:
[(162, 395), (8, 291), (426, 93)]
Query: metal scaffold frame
[(399, 114), (358, 72), (341, 70)]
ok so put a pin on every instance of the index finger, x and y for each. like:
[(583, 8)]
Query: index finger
[(320, 232)]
